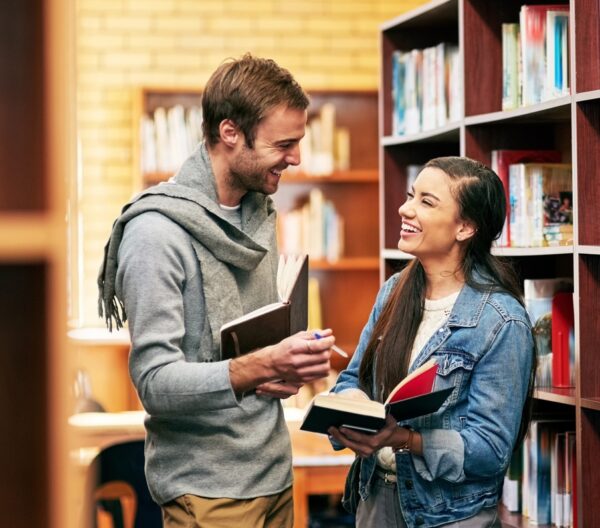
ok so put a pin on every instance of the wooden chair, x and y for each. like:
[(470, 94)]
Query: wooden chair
[(117, 490), (117, 494)]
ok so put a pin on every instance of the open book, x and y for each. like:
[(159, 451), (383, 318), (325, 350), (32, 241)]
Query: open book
[(273, 322), (412, 397)]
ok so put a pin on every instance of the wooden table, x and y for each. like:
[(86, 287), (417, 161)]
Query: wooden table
[(318, 469)]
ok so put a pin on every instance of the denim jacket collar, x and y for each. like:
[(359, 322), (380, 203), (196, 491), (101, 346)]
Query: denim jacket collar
[(468, 307)]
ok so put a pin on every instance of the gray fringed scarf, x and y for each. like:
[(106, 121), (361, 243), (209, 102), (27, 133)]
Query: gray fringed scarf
[(223, 251)]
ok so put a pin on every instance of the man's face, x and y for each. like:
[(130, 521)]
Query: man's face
[(276, 146)]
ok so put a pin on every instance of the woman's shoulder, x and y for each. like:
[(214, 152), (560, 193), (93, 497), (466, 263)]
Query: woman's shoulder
[(507, 306)]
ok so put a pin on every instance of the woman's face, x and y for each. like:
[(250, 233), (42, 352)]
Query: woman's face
[(431, 223)]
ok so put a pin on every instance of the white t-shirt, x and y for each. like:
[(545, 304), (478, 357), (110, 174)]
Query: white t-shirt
[(435, 315)]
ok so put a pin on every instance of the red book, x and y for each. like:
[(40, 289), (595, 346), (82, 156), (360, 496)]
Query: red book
[(413, 396), (562, 326), (418, 382), (501, 160)]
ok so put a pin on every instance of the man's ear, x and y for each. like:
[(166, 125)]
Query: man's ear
[(229, 133), (465, 231)]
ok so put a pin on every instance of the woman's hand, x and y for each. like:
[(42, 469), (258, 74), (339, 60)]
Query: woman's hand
[(365, 445)]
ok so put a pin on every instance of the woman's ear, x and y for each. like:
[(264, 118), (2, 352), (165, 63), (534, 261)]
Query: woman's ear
[(465, 231), (229, 133)]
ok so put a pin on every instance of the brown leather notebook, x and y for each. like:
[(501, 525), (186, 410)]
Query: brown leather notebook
[(271, 323)]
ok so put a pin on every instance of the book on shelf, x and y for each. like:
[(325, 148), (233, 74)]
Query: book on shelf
[(273, 322), (315, 228), (563, 340), (571, 479), (325, 146), (557, 53), (501, 161), (538, 298), (540, 200), (511, 81), (533, 20), (413, 396), (425, 88), (561, 514), (538, 457), (168, 137), (511, 489)]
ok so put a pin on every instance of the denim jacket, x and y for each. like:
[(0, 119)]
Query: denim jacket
[(484, 350)]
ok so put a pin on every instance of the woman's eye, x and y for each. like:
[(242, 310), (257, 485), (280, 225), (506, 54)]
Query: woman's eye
[(427, 202), (410, 195)]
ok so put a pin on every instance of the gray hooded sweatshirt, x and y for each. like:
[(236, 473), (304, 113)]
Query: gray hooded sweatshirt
[(178, 266)]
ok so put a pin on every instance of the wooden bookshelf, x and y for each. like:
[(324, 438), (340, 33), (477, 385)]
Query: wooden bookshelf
[(570, 124), (347, 286), (37, 144)]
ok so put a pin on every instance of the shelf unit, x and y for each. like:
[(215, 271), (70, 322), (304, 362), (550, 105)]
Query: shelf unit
[(569, 124), (37, 151), (348, 286)]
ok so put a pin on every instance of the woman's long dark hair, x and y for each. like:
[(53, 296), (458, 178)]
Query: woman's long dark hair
[(481, 200)]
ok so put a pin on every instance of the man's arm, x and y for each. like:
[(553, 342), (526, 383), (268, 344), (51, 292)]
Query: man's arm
[(284, 367)]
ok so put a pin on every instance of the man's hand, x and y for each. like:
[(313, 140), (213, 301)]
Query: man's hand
[(301, 357), (278, 389), (296, 360)]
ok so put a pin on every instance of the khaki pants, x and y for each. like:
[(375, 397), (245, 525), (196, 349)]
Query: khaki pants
[(190, 511)]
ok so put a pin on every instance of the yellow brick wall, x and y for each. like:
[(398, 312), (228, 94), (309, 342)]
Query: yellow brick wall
[(126, 44)]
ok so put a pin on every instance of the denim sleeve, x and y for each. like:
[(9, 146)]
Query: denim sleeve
[(150, 280), (497, 393)]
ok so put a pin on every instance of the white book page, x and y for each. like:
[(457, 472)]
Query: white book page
[(287, 271)]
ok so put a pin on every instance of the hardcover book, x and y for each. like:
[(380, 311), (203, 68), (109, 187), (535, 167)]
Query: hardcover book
[(412, 397), (273, 322), (501, 160)]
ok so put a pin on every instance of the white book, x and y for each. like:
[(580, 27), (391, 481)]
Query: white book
[(510, 66), (557, 53)]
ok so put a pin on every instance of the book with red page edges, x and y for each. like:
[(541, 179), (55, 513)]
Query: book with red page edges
[(418, 382), (412, 397)]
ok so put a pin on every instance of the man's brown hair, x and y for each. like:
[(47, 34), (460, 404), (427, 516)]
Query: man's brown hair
[(245, 91)]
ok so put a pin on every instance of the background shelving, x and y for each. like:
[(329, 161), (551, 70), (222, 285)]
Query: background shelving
[(570, 124)]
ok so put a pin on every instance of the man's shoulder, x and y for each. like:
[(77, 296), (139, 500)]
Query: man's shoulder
[(152, 224)]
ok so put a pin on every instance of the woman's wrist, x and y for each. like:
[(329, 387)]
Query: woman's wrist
[(405, 443)]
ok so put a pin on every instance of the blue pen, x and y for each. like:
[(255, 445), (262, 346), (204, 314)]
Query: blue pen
[(333, 347)]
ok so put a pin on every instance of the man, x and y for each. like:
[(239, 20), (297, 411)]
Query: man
[(189, 255)]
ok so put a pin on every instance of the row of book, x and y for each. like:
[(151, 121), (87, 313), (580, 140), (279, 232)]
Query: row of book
[(539, 194), (541, 479), (168, 137), (535, 56), (314, 228), (426, 88), (325, 147), (549, 303)]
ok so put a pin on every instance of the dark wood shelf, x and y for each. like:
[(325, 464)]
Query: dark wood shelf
[(564, 396), (569, 124)]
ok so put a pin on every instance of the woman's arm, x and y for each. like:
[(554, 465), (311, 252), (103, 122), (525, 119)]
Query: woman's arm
[(497, 393)]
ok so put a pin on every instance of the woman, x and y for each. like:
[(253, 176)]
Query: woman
[(458, 304)]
